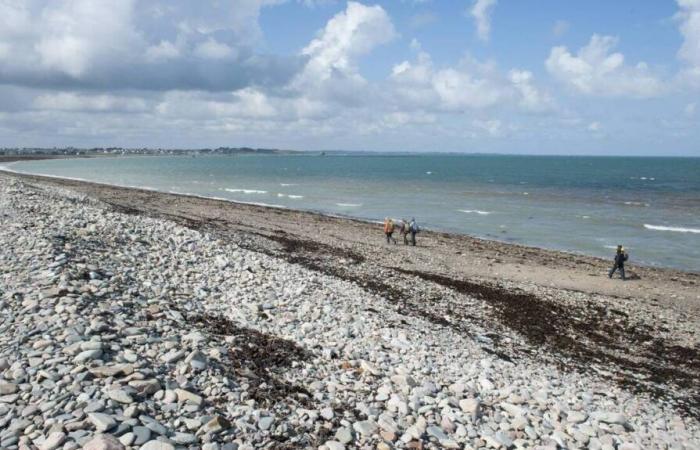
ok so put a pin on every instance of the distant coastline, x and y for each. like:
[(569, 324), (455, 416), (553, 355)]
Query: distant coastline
[(28, 153)]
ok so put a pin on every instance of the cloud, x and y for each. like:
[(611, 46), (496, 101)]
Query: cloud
[(469, 85), (348, 35), (69, 101), (212, 49), (481, 12), (331, 72), (493, 127), (594, 70), (157, 45), (689, 27)]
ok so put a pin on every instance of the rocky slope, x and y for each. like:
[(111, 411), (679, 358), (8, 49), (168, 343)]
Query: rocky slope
[(123, 331)]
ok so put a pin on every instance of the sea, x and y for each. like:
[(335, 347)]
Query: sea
[(581, 205)]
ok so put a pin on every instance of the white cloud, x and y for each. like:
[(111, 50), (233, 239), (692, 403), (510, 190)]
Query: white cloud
[(212, 49), (158, 45), (347, 36), (163, 51), (689, 17), (69, 101), (468, 86), (493, 127), (68, 37), (531, 98), (689, 109), (595, 70), (481, 12)]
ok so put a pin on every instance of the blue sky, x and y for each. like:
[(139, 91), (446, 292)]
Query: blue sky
[(546, 76)]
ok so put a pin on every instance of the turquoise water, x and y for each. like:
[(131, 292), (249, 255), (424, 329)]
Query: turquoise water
[(578, 204)]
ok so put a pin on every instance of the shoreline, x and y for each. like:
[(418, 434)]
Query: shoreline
[(452, 234), (454, 322)]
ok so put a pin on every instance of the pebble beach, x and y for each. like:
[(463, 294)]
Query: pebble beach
[(125, 328)]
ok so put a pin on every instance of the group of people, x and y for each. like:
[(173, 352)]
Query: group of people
[(406, 229)]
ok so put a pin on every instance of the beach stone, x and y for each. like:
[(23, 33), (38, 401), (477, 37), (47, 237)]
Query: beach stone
[(102, 422), (7, 388), (131, 411), (145, 387), (112, 371), (576, 417), (141, 435), (610, 417), (53, 441), (87, 355), (173, 356), (513, 410), (215, 425), (120, 396), (334, 445), (197, 360), (265, 423), (327, 413), (103, 442), (157, 445), (184, 396), (127, 439), (168, 397), (471, 406), (344, 435), (365, 427), (183, 438)]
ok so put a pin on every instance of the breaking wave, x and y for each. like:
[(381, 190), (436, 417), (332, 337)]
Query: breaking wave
[(246, 191), (676, 229), (475, 211)]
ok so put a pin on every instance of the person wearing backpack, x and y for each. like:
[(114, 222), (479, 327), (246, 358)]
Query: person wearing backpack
[(404, 231), (413, 229), (619, 264)]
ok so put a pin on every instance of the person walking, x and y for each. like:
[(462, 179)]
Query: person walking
[(413, 229), (619, 264), (389, 230), (404, 231)]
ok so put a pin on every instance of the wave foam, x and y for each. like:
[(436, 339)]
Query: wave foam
[(475, 211), (676, 229), (291, 196), (349, 205), (637, 204), (246, 191)]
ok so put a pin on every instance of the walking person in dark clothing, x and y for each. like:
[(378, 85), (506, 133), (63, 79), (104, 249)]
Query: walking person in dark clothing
[(413, 230), (619, 264), (404, 231)]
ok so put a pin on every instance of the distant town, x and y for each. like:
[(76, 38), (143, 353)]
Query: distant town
[(73, 151)]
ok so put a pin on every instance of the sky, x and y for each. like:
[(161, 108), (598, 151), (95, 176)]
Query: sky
[(586, 77)]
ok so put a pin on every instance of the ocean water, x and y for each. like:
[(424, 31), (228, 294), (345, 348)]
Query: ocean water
[(584, 205)]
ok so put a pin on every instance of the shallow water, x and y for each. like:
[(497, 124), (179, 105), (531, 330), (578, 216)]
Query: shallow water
[(579, 204)]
